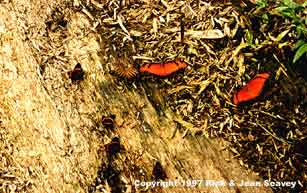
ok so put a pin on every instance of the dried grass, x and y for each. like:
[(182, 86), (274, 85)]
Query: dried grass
[(51, 136)]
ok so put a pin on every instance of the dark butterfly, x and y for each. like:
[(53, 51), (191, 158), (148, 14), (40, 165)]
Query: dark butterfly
[(124, 68), (76, 74), (108, 122), (128, 73), (158, 172), (113, 147)]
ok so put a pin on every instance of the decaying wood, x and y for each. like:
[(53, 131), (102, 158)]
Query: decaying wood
[(51, 139)]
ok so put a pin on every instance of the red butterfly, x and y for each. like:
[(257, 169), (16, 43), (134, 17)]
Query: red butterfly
[(252, 89), (164, 69), (77, 73)]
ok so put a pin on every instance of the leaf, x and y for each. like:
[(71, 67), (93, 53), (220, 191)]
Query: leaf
[(261, 3), (290, 11), (282, 35), (286, 12), (300, 28), (300, 52), (265, 17), (207, 34), (291, 4), (249, 37), (299, 43)]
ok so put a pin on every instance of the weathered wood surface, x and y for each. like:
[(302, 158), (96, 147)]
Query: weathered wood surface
[(50, 139)]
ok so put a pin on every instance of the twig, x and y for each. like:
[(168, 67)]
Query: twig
[(272, 134)]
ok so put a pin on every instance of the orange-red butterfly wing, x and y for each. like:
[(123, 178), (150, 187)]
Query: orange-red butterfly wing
[(252, 89), (163, 69), (154, 68), (170, 67), (181, 64)]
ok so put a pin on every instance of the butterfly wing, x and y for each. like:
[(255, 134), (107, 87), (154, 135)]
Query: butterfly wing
[(252, 89), (158, 69), (181, 64), (163, 69), (154, 68), (78, 67), (170, 67), (77, 73)]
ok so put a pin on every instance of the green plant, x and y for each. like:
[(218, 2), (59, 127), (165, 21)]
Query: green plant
[(262, 3), (301, 49), (293, 11)]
